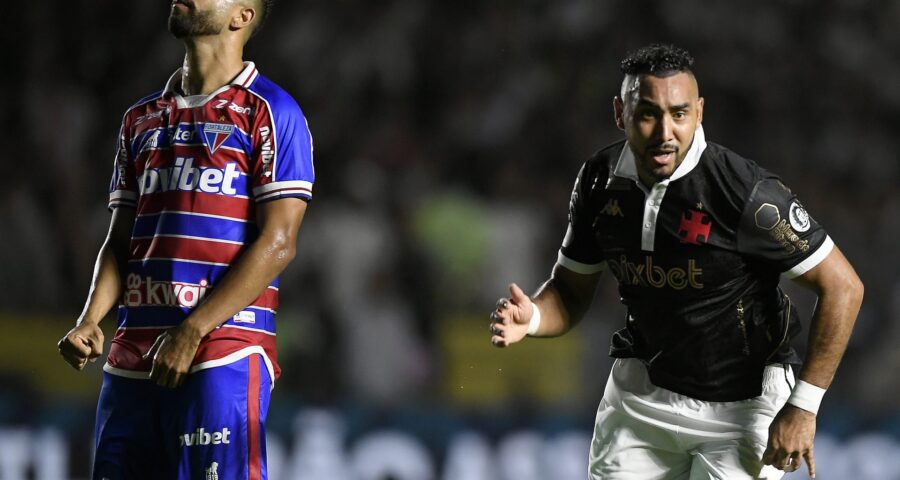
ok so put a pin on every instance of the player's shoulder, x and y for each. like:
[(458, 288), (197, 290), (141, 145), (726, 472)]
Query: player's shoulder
[(144, 101), (604, 160), (725, 162), (279, 101)]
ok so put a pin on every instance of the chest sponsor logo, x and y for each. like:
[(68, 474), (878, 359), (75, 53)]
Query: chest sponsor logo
[(202, 437), (146, 291), (768, 218), (216, 134), (798, 217), (694, 227), (183, 176), (612, 208), (646, 274)]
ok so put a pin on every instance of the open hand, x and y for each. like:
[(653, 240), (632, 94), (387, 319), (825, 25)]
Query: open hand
[(509, 321)]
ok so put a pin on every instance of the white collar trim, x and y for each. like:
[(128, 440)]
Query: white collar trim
[(173, 86), (626, 167)]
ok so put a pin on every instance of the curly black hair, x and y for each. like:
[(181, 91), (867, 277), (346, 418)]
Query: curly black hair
[(657, 59)]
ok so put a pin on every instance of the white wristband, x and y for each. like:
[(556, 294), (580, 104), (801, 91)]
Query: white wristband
[(806, 396), (535, 321)]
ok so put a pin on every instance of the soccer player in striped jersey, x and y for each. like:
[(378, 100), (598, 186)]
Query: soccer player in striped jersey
[(211, 181)]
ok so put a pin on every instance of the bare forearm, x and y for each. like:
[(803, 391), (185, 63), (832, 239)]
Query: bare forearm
[(245, 281), (830, 332), (840, 296), (563, 300), (106, 287), (109, 269)]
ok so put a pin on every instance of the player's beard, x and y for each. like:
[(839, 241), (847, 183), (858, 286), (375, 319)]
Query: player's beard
[(193, 24)]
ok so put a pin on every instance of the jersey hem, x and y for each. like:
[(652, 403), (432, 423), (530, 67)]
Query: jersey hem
[(218, 362)]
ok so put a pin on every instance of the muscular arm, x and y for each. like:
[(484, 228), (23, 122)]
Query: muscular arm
[(279, 222), (562, 300), (85, 341), (840, 296)]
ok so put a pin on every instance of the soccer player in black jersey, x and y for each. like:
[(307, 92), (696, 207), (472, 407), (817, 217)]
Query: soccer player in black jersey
[(697, 238)]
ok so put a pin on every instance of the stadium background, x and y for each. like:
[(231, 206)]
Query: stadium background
[(447, 138)]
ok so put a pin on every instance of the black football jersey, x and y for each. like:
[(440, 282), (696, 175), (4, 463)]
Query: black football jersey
[(698, 259)]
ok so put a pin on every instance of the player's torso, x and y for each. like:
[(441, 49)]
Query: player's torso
[(195, 214), (674, 244)]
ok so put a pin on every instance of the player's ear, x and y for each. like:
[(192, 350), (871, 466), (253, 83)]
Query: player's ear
[(243, 18), (618, 111), (699, 110)]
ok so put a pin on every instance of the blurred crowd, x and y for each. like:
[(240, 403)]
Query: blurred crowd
[(447, 138)]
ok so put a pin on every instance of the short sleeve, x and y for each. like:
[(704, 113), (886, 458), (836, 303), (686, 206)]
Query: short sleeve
[(283, 154), (579, 252), (776, 228), (123, 189)]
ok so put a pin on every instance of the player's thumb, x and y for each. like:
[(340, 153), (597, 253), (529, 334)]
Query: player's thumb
[(518, 296)]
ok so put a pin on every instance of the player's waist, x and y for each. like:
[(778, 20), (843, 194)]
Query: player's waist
[(129, 346)]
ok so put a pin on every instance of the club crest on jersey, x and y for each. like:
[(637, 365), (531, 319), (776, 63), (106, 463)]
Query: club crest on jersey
[(216, 134), (694, 227)]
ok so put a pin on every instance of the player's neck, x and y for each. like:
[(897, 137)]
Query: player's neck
[(209, 64)]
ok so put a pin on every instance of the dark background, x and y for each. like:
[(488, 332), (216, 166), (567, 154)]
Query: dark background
[(447, 137)]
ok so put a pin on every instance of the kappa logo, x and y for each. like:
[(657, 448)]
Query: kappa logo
[(612, 208), (216, 134)]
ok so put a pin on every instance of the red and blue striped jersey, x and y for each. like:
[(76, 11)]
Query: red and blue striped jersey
[(195, 168)]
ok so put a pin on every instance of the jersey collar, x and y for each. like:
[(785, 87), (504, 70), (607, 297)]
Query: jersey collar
[(626, 168), (173, 87)]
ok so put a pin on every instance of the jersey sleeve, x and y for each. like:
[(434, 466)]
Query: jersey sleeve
[(579, 252), (776, 228), (123, 187), (282, 159)]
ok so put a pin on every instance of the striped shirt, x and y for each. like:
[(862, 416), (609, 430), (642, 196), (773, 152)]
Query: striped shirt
[(195, 168)]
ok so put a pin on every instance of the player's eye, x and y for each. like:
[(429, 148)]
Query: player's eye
[(679, 115)]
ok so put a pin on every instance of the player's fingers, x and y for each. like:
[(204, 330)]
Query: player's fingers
[(499, 342), (810, 462), (768, 455), (73, 344), (792, 462), (779, 458), (502, 303), (498, 329), (498, 317)]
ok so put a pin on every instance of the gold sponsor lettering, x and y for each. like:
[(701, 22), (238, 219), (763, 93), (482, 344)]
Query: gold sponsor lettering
[(646, 274), (785, 235)]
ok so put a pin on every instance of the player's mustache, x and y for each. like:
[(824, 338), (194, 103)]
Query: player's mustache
[(663, 147)]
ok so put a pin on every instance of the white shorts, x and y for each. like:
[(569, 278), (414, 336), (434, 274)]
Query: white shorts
[(644, 432)]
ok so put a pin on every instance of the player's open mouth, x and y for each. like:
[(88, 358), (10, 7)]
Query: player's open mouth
[(663, 157)]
